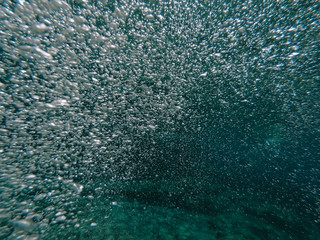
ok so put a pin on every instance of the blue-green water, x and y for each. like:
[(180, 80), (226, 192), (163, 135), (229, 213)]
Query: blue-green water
[(159, 119)]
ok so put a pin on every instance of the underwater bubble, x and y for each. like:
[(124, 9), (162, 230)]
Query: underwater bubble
[(180, 111), (25, 225)]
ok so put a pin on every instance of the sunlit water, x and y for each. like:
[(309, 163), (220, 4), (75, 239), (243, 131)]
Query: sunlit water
[(159, 119)]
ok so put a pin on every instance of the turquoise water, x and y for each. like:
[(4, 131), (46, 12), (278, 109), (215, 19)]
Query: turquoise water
[(186, 210), (159, 119)]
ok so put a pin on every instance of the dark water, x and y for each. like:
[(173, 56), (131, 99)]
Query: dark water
[(159, 119)]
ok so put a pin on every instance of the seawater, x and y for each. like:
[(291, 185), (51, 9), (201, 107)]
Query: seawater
[(159, 119)]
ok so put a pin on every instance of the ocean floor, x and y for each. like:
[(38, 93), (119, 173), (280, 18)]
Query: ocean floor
[(148, 213)]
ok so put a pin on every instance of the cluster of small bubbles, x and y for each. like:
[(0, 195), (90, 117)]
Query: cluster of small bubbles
[(102, 90)]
